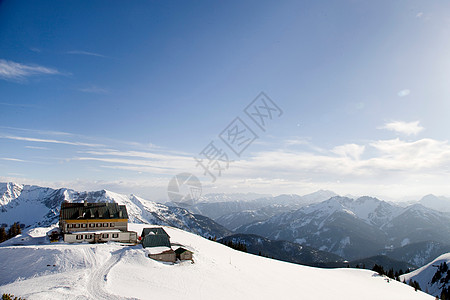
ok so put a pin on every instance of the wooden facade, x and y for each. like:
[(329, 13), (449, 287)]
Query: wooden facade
[(95, 223), (166, 256), (183, 254)]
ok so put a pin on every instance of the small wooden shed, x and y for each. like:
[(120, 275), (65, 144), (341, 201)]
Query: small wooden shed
[(183, 254), (166, 254)]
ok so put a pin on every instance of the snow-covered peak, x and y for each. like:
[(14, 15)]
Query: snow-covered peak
[(39, 206), (9, 191)]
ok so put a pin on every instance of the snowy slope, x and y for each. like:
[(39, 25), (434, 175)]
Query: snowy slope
[(424, 276), (112, 271)]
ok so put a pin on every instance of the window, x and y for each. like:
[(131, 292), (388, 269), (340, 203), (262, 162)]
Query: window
[(105, 235), (77, 225), (105, 224), (83, 225), (88, 236), (98, 225), (69, 225), (91, 225), (115, 235), (79, 236), (111, 224)]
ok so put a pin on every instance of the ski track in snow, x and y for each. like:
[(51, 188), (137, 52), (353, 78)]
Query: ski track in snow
[(99, 275)]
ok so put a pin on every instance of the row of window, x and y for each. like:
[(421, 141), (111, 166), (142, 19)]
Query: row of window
[(91, 225), (90, 236)]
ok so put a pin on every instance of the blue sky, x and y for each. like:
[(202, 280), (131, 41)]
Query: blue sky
[(121, 95)]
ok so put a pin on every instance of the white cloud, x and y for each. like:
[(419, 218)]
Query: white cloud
[(12, 159), (404, 93), (29, 139), (408, 128), (16, 71), (394, 166), (349, 150)]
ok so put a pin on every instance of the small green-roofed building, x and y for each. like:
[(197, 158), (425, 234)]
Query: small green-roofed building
[(155, 237), (154, 230)]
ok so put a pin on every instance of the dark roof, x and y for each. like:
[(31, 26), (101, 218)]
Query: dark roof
[(156, 240), (100, 210), (181, 250), (154, 231)]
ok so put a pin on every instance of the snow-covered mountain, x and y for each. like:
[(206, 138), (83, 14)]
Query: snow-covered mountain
[(419, 253), (433, 277), (355, 228), (233, 211), (439, 203), (112, 271), (38, 206)]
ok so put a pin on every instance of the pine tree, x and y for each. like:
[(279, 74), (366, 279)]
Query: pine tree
[(14, 230), (10, 297), (3, 235)]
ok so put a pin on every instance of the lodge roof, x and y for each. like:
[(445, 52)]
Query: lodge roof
[(100, 210)]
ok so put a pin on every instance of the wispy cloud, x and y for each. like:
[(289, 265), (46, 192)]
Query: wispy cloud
[(38, 131), (148, 162), (10, 70), (81, 52), (29, 139), (393, 164), (12, 159), (408, 128), (37, 147)]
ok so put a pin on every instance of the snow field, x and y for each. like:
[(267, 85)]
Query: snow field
[(113, 271)]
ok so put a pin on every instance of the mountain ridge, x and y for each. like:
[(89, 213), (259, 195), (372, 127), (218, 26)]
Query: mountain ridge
[(39, 206)]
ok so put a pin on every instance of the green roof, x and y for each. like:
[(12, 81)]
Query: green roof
[(155, 237), (100, 210), (156, 240)]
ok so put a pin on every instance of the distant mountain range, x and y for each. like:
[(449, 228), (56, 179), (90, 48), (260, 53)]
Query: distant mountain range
[(358, 228), (240, 209)]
